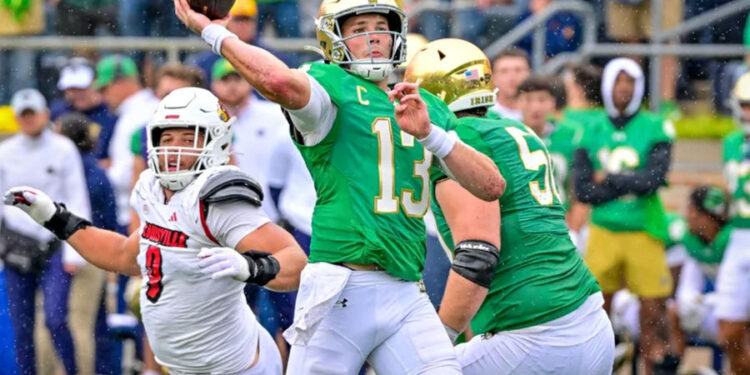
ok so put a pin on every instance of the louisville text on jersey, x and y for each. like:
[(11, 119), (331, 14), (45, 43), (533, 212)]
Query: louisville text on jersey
[(164, 236)]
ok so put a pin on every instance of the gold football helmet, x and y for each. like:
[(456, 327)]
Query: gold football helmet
[(414, 43), (740, 96), (456, 71), (333, 45)]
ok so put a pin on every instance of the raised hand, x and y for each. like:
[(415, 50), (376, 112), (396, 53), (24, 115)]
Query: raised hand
[(193, 20), (411, 110), (38, 205), (32, 201)]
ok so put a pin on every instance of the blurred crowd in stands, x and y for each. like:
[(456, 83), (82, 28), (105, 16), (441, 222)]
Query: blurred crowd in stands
[(101, 102), (479, 21)]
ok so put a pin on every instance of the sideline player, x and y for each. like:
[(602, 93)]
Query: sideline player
[(197, 215), (733, 304), (620, 165), (694, 310), (358, 299), (533, 304)]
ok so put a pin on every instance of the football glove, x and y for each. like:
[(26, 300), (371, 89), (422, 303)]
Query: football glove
[(38, 205), (255, 267), (34, 202)]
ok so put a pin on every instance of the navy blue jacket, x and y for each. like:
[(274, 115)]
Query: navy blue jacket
[(101, 195), (100, 115)]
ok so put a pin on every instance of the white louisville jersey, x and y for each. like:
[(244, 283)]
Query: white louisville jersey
[(194, 324)]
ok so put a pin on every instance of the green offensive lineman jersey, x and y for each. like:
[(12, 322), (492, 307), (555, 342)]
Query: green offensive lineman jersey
[(492, 115), (676, 229), (620, 151), (562, 144), (539, 276), (737, 172), (372, 180)]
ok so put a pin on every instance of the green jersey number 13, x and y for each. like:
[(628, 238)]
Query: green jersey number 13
[(387, 201)]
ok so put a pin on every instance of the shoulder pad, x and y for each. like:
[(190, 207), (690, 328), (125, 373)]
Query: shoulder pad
[(231, 185)]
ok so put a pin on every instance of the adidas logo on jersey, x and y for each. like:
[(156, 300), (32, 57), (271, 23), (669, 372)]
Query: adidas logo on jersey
[(173, 218)]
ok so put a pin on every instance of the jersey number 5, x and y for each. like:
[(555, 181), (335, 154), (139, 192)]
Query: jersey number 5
[(387, 201), (533, 161), (153, 265)]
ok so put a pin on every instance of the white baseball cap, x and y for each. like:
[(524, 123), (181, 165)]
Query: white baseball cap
[(28, 99), (79, 76)]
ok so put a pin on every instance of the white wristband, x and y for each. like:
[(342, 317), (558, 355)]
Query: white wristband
[(214, 35), (438, 142)]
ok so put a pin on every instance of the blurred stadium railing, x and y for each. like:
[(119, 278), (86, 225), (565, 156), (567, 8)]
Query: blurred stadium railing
[(655, 49), (172, 46), (535, 24)]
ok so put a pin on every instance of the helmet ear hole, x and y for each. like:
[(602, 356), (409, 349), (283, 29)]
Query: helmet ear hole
[(156, 136), (394, 21)]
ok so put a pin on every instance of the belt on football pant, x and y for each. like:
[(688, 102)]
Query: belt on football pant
[(360, 267)]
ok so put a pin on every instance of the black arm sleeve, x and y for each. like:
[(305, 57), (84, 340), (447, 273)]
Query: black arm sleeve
[(648, 180), (586, 190)]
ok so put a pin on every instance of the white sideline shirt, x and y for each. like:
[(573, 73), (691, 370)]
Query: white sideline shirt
[(52, 164)]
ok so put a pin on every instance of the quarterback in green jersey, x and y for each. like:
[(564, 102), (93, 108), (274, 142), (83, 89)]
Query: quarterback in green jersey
[(369, 151), (733, 305), (516, 279)]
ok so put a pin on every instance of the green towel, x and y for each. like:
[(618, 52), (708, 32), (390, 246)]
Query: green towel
[(18, 8)]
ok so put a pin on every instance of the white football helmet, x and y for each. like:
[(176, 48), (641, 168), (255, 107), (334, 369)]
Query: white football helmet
[(195, 108)]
